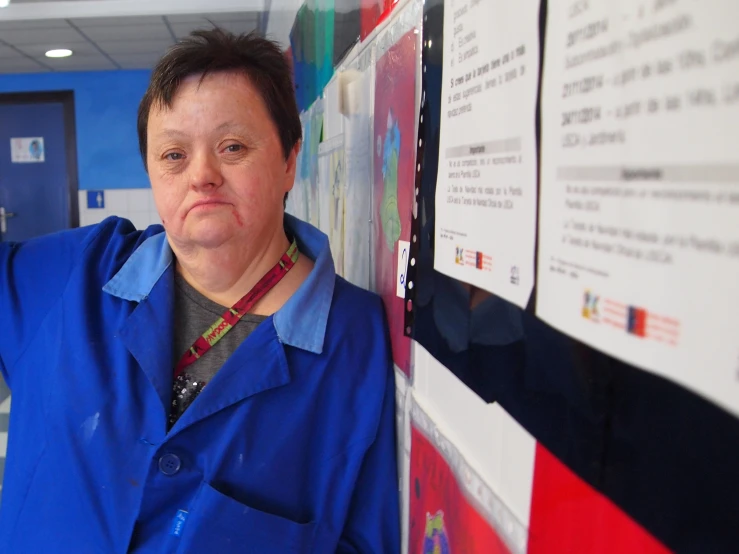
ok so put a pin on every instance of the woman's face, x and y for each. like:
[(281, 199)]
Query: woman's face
[(216, 164)]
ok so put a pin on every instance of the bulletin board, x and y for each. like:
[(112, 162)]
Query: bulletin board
[(568, 223)]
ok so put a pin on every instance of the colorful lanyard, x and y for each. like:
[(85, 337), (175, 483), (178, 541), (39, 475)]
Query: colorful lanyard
[(231, 317)]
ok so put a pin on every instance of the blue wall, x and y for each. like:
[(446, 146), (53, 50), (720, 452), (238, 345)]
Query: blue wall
[(105, 106)]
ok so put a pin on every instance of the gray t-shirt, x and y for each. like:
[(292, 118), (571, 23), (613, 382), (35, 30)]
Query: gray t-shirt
[(193, 315)]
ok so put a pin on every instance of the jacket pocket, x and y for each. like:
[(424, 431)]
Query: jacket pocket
[(19, 486), (219, 523)]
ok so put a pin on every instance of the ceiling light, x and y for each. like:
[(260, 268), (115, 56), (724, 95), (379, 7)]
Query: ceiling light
[(58, 53), (4, 3)]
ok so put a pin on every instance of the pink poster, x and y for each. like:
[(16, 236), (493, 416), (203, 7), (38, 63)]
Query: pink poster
[(451, 509), (394, 158)]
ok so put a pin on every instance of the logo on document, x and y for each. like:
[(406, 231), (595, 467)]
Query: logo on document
[(459, 255), (435, 539), (590, 307), (636, 321), (515, 275)]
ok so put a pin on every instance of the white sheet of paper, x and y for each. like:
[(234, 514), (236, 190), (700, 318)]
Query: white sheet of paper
[(404, 248), (297, 199), (358, 204), (333, 120), (486, 184), (331, 192), (639, 228), (24, 150)]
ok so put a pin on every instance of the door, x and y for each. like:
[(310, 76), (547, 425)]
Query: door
[(38, 174)]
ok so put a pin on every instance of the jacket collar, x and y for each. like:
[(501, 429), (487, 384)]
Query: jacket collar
[(300, 323)]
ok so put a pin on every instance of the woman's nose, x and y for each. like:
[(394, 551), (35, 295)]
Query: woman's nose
[(205, 172)]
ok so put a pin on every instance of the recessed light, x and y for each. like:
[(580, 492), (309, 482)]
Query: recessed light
[(4, 3), (58, 53)]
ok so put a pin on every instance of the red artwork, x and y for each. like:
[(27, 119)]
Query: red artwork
[(568, 516), (442, 520), (394, 155), (372, 13)]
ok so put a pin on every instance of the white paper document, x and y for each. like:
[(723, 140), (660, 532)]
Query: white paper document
[(331, 193), (24, 150), (639, 223), (358, 203), (486, 184), (333, 121)]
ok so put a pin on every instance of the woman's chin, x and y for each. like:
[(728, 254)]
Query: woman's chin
[(211, 234)]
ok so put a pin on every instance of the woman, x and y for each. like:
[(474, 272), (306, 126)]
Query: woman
[(211, 386)]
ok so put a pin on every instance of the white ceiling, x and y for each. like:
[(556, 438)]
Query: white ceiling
[(121, 40)]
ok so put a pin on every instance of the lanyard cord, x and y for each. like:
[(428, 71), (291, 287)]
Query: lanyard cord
[(231, 316)]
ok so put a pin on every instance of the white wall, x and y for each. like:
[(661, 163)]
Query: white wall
[(136, 205)]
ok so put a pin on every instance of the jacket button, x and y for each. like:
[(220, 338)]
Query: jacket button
[(169, 464)]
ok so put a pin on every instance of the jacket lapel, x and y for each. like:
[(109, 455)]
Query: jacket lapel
[(148, 335), (258, 365)]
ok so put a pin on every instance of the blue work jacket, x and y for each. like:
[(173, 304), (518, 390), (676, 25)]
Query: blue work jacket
[(290, 447)]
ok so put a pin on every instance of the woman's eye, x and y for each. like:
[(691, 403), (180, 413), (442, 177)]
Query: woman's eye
[(173, 156), (234, 148)]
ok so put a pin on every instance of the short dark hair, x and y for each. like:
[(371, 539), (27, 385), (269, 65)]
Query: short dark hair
[(211, 50)]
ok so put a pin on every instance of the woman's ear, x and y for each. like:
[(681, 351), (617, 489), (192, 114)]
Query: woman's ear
[(291, 165)]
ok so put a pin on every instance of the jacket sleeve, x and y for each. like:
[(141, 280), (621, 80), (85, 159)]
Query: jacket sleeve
[(373, 522), (33, 276)]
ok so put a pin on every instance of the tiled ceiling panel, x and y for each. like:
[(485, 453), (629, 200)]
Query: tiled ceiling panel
[(81, 63), (20, 65), (56, 35), (33, 24), (116, 47), (137, 61), (104, 43), (215, 17), (34, 1), (6, 52), (149, 31), (80, 48), (116, 21), (183, 29)]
